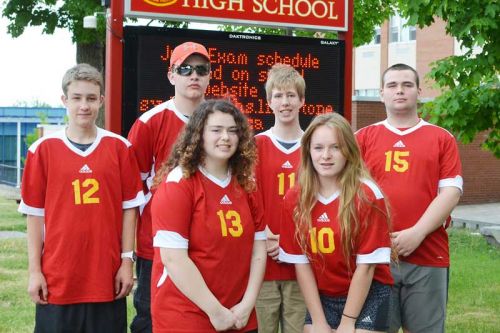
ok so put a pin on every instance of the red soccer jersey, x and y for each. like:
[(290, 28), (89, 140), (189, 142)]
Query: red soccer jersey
[(217, 221), (82, 196), (153, 136), (324, 246), (276, 173), (410, 166)]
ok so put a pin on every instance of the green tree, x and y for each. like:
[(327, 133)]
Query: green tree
[(470, 99)]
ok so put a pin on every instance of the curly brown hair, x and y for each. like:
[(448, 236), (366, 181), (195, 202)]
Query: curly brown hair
[(188, 152)]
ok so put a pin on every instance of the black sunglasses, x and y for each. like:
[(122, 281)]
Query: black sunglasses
[(186, 69)]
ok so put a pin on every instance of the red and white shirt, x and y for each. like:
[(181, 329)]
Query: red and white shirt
[(153, 136), (81, 195), (411, 165), (324, 245), (276, 173), (217, 222)]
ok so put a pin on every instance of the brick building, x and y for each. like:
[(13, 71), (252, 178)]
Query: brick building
[(395, 43)]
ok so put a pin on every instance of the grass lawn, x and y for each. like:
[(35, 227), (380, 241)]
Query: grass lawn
[(473, 307), (10, 219), (474, 295)]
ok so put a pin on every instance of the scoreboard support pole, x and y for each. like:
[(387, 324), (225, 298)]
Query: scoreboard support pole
[(114, 67), (347, 36)]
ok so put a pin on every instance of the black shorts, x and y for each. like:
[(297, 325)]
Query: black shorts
[(374, 315), (106, 317)]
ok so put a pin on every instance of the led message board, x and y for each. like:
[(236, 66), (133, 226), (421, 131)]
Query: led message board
[(239, 68)]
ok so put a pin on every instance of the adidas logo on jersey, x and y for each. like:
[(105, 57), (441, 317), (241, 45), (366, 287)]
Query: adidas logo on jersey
[(367, 319), (225, 200), (399, 144), (85, 169), (287, 165), (323, 218)]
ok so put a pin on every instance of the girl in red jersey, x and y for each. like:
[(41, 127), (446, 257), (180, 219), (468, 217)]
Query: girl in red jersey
[(208, 233), (335, 230)]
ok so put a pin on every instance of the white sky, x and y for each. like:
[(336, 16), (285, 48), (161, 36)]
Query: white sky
[(32, 65)]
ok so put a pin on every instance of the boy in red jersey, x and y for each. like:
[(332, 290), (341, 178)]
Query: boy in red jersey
[(153, 135), (280, 302), (80, 190), (418, 167)]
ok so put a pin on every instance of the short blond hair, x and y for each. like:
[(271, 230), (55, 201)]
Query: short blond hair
[(82, 72), (282, 76)]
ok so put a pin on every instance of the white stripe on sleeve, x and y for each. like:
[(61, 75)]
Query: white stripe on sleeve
[(28, 210), (137, 201), (381, 255), (292, 258), (170, 240), (455, 182), (260, 235)]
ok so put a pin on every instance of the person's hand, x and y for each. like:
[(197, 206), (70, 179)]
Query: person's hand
[(406, 241), (124, 279), (223, 319), (321, 328), (346, 327), (272, 246), (242, 312), (37, 288)]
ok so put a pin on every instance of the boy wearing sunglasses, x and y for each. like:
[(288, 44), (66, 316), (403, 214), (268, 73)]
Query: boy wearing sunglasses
[(152, 136)]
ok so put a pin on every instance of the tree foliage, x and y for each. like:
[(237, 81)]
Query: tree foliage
[(470, 99), (368, 14)]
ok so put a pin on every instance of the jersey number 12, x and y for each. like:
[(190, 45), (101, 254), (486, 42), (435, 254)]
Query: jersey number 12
[(88, 195)]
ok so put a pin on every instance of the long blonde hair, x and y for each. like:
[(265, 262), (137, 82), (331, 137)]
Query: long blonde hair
[(351, 197)]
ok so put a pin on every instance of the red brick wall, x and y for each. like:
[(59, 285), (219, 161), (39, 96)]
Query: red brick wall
[(432, 44), (481, 170)]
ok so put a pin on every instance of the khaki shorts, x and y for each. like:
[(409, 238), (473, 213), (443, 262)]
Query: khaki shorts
[(419, 298), (280, 303)]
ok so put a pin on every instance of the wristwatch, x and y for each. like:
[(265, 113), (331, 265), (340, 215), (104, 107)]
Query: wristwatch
[(130, 255)]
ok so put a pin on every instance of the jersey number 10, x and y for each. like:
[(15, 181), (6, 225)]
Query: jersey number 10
[(322, 240)]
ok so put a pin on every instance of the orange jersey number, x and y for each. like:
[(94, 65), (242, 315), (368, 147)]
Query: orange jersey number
[(232, 218), (396, 160), (282, 179), (88, 196), (322, 240)]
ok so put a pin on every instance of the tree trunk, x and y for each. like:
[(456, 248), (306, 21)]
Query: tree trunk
[(93, 54)]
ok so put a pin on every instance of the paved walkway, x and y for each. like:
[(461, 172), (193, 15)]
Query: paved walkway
[(476, 216), (9, 192)]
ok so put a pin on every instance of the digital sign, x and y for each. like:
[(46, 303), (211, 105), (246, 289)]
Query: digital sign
[(239, 65)]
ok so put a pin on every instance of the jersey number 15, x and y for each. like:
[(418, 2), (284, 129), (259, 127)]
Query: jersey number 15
[(396, 160)]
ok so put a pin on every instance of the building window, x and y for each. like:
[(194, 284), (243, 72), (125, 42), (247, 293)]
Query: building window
[(400, 31), (376, 37), (367, 92)]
